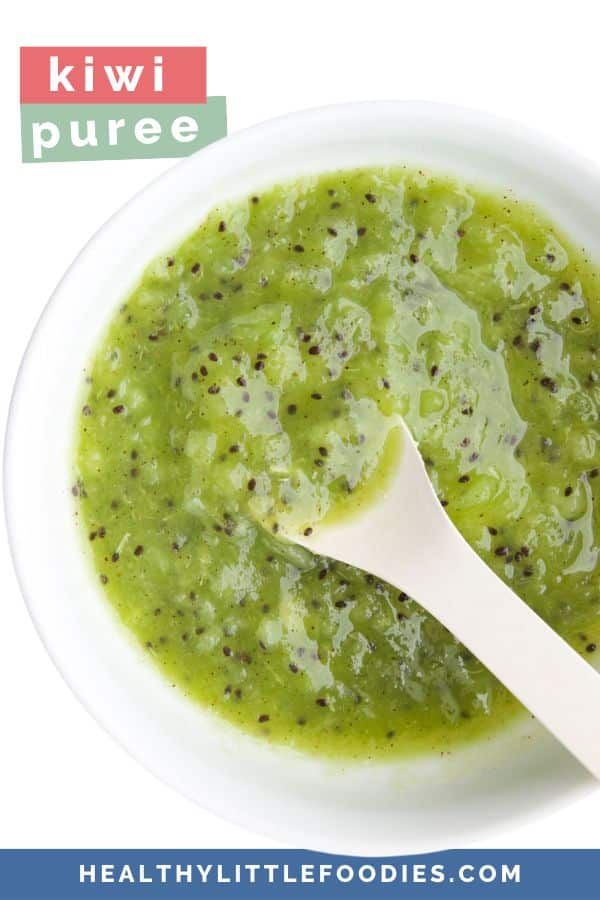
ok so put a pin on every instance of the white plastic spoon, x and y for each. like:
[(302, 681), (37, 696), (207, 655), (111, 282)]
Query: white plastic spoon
[(406, 538)]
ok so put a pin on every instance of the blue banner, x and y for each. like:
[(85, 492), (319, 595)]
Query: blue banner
[(66, 874)]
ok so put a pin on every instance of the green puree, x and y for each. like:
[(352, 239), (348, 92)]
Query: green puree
[(255, 376)]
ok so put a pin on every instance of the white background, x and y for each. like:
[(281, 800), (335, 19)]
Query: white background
[(63, 781)]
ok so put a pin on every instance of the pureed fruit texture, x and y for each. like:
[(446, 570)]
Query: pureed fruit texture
[(257, 372)]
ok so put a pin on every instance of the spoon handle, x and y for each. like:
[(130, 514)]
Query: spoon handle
[(557, 685)]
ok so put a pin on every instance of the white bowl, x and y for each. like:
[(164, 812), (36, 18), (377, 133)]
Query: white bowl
[(394, 807)]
